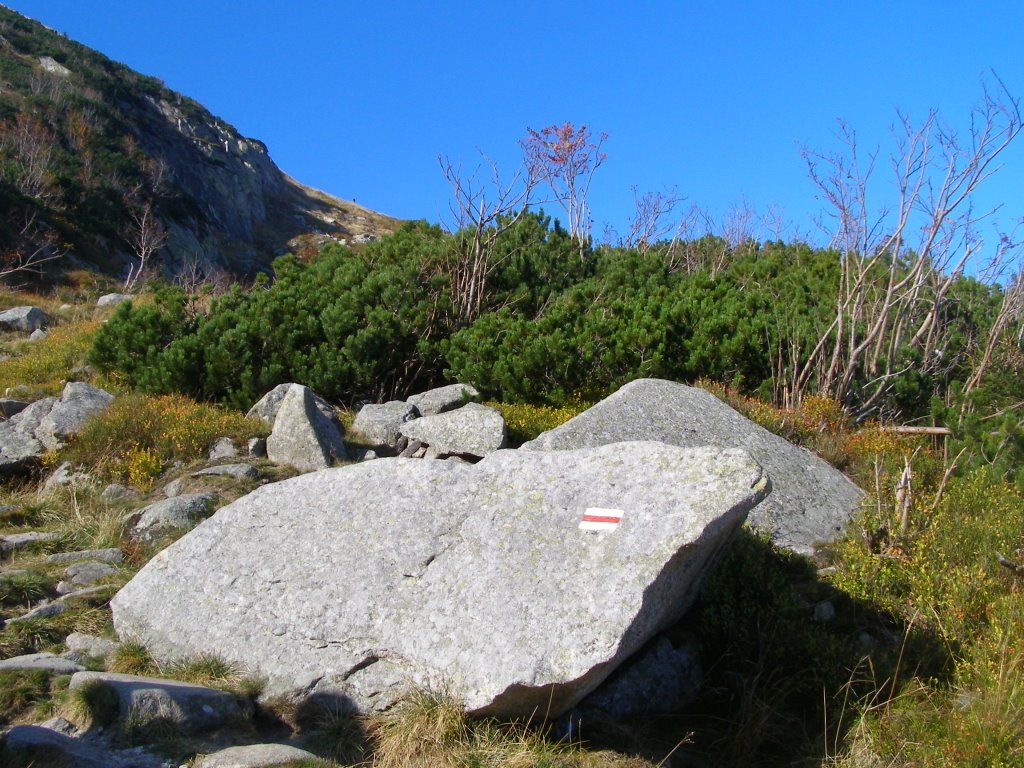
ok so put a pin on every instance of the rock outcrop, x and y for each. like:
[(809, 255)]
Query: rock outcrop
[(811, 501), (520, 582)]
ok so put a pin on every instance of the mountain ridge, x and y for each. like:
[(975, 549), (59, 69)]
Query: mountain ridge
[(111, 169)]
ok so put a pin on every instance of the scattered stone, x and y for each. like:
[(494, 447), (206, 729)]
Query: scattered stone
[(173, 514), (78, 403), (115, 493), (83, 575), (191, 708), (302, 436), (361, 453), (111, 555), (508, 580), (223, 448), (413, 448), (112, 299), (90, 646), (474, 429), (15, 541), (63, 476), (45, 745), (254, 756), (46, 662), (824, 611), (9, 406), (382, 423), (37, 334), (42, 611), (811, 501), (257, 447), (14, 573), (267, 406), (174, 487), (657, 681), (19, 448), (444, 399), (24, 319), (239, 471)]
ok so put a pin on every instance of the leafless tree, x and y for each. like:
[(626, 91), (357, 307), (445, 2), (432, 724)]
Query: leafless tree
[(899, 262), (481, 211), (30, 144), (34, 244)]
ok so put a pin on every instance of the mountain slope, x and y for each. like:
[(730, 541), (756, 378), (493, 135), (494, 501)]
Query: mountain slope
[(110, 168)]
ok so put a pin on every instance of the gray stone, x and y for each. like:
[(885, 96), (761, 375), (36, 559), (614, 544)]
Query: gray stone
[(302, 436), (400, 573), (657, 681), (110, 555), (267, 406), (42, 611), (173, 514), (192, 708), (64, 476), (238, 471), (46, 662), (24, 319), (411, 450), (45, 746), (54, 67), (78, 403), (15, 541), (444, 399), (824, 611), (9, 406), (811, 501), (19, 448), (382, 423), (37, 334), (115, 492), (257, 447), (361, 453), (254, 756), (474, 429), (223, 448), (90, 645), (112, 299), (84, 574), (174, 487)]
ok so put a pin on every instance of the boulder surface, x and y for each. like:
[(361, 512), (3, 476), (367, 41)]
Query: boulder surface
[(302, 436), (443, 399), (473, 429), (811, 501), (519, 583)]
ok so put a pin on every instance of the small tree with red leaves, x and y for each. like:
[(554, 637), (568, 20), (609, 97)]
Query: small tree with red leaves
[(566, 157)]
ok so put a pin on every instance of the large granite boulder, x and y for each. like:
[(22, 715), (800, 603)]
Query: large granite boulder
[(811, 501), (302, 436), (382, 423), (518, 583), (267, 406), (25, 319), (443, 399), (78, 403), (473, 429)]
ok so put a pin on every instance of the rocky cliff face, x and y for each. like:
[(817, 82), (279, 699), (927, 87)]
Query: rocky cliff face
[(88, 145)]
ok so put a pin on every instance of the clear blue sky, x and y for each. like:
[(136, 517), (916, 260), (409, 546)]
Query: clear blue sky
[(714, 98)]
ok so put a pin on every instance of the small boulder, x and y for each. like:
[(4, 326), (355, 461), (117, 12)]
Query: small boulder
[(64, 476), (90, 646), (78, 403), (257, 447), (46, 662), (474, 430), (173, 514), (37, 335), (302, 436), (254, 756), (267, 406), (116, 492), (20, 449), (382, 423), (112, 299), (222, 448), (110, 555), (24, 319), (9, 406), (192, 709), (237, 471), (15, 541), (444, 399), (84, 574)]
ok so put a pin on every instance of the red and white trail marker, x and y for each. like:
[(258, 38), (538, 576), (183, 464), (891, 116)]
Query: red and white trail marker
[(599, 519)]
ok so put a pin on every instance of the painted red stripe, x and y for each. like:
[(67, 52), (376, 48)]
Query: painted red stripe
[(600, 519)]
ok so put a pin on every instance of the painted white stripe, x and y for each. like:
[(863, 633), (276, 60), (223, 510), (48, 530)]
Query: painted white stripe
[(600, 519), (586, 525)]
